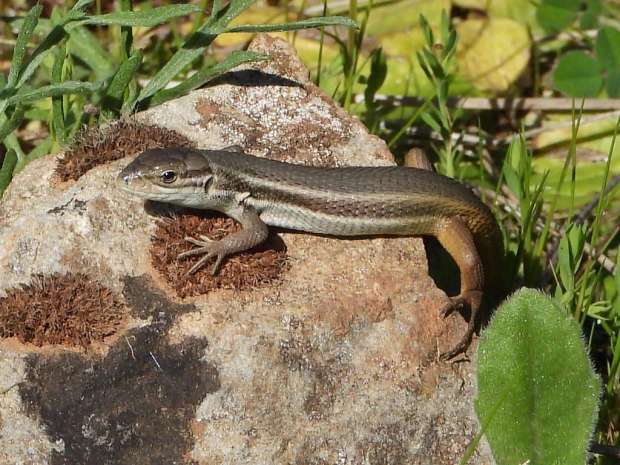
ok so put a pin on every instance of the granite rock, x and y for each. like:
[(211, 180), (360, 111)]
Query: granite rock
[(336, 362)]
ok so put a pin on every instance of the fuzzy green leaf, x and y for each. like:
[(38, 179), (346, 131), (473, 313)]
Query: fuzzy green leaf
[(532, 356)]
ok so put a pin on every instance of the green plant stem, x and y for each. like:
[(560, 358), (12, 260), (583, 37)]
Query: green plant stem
[(542, 240), (321, 42), (583, 300)]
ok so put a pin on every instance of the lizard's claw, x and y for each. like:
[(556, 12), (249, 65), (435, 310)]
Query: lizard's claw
[(471, 299), (210, 248)]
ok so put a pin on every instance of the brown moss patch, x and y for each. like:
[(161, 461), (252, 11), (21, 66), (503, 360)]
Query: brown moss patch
[(95, 146), (258, 266), (67, 309)]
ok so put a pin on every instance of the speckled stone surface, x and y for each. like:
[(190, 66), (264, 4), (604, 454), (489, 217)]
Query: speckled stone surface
[(336, 363)]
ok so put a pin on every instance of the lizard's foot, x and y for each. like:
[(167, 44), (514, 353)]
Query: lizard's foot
[(210, 248), (471, 299)]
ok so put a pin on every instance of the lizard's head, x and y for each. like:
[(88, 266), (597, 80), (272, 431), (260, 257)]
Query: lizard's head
[(167, 175)]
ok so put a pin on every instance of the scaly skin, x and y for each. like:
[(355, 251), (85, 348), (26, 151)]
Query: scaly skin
[(350, 201)]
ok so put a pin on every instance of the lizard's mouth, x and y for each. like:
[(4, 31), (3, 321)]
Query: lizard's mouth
[(142, 187), (133, 184)]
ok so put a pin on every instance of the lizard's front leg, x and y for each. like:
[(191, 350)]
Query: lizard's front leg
[(253, 232)]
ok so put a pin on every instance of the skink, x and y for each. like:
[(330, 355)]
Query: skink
[(349, 201)]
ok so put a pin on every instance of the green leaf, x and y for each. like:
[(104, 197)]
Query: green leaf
[(11, 124), (613, 83), (40, 150), (193, 47), (58, 117), (555, 15), (569, 255), (376, 78), (589, 18), (25, 33), (87, 47), (533, 353), (53, 38), (296, 25), (53, 90), (80, 5), (6, 172), (146, 18), (608, 48), (427, 31), (113, 98), (55, 35), (578, 75), (206, 74), (428, 119)]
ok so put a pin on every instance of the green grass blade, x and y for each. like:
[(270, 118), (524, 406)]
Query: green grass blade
[(420, 112), (6, 172), (55, 35), (296, 25), (206, 74), (234, 9), (542, 239), (53, 90), (11, 124), (25, 33), (40, 150), (147, 18), (126, 31), (58, 116), (193, 47), (53, 38), (80, 5), (113, 98)]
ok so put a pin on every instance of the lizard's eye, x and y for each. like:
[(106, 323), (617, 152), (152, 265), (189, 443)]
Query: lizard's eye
[(168, 176)]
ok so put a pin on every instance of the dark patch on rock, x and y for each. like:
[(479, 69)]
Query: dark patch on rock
[(98, 145), (135, 405), (78, 205), (146, 301)]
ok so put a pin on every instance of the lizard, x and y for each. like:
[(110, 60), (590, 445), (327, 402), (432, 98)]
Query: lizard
[(344, 201)]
